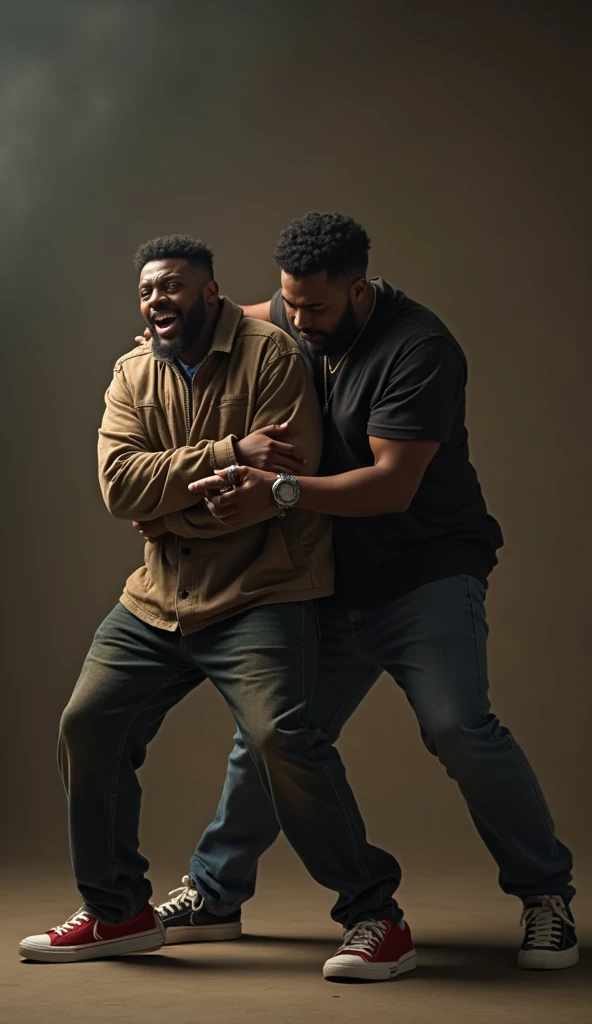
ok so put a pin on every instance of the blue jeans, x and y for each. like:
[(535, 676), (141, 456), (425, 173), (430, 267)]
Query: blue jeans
[(264, 662), (433, 642)]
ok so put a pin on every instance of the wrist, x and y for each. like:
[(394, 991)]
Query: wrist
[(238, 455), (285, 492), (223, 452)]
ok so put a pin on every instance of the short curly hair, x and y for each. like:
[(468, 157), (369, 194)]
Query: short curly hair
[(170, 246), (323, 241)]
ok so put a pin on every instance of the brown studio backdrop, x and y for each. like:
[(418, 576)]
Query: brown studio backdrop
[(456, 133)]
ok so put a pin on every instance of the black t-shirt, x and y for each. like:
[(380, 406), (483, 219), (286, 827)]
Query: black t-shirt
[(405, 379)]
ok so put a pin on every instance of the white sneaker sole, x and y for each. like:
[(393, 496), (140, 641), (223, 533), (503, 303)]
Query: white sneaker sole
[(145, 942), (203, 933), (370, 972), (547, 960)]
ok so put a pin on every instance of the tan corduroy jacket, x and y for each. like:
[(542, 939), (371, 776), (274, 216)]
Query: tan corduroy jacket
[(159, 433)]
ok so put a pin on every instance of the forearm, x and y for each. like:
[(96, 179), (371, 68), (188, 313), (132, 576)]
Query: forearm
[(141, 485), (370, 491), (198, 521)]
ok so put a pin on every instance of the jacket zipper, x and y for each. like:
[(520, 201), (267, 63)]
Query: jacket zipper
[(188, 404)]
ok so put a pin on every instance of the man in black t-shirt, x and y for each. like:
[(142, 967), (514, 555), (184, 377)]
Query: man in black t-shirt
[(414, 546)]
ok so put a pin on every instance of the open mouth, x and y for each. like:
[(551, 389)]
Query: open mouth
[(167, 324)]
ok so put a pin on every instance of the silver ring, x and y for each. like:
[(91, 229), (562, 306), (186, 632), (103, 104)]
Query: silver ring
[(232, 476)]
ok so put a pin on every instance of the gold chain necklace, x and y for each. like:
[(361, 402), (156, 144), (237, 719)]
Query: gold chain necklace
[(327, 368)]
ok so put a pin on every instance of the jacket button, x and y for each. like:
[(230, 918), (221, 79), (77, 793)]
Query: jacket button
[(185, 551), (183, 594)]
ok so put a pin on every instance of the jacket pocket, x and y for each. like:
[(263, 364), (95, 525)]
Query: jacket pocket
[(264, 563), (233, 413), (279, 552), (234, 399)]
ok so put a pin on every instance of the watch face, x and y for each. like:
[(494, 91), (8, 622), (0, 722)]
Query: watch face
[(285, 491)]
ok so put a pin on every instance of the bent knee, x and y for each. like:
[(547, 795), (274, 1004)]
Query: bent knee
[(74, 722), (272, 744), (453, 737), (81, 722)]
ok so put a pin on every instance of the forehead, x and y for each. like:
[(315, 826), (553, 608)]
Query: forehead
[(156, 269), (310, 290)]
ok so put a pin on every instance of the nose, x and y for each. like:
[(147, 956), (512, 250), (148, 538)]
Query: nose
[(302, 320), (157, 299)]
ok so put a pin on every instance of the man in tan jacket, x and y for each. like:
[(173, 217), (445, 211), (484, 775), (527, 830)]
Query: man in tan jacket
[(233, 604)]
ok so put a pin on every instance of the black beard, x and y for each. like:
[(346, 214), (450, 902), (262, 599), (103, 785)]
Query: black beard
[(169, 352), (340, 337), (192, 325)]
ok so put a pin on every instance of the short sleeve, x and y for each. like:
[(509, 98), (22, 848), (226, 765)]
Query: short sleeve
[(422, 395), (278, 313)]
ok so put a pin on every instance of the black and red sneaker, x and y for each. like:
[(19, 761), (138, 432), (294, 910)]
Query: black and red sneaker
[(373, 951), (84, 937)]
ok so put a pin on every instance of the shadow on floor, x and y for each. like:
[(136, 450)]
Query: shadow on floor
[(466, 962)]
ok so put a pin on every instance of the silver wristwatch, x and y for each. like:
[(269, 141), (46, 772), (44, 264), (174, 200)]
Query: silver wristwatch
[(285, 491)]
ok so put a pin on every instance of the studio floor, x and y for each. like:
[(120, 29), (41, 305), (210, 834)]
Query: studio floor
[(466, 935)]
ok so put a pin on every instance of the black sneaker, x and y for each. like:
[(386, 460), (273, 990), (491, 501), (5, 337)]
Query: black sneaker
[(186, 919), (550, 935)]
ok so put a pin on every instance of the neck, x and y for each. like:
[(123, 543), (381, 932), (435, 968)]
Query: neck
[(195, 352)]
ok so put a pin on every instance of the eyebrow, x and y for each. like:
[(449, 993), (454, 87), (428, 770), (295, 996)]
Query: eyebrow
[(301, 305), (170, 275)]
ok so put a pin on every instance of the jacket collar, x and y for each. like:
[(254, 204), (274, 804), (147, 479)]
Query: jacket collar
[(226, 327)]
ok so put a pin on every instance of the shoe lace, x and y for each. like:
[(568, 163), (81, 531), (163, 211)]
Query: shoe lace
[(543, 921), (365, 936), (80, 917), (183, 898)]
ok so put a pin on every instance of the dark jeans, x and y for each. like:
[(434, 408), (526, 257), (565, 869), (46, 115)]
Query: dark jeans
[(264, 662), (433, 642)]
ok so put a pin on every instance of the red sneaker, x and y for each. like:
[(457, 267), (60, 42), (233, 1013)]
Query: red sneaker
[(374, 951), (83, 937)]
